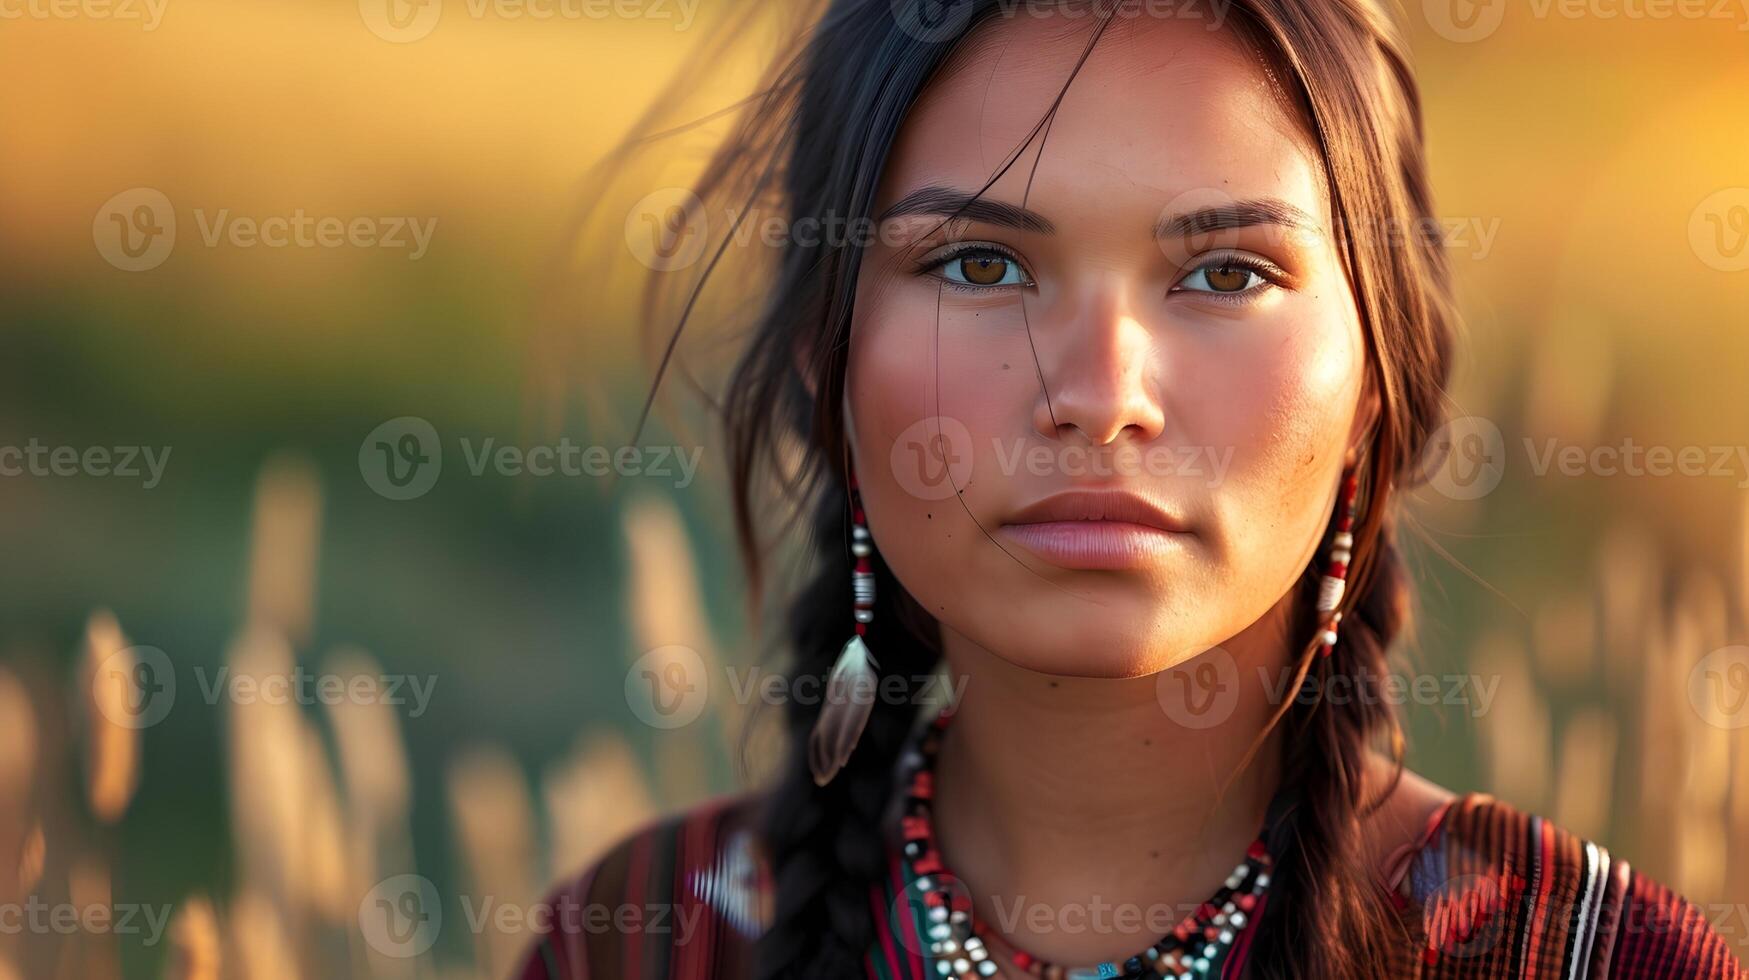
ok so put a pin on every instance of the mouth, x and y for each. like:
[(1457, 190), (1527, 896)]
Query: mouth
[(1099, 530)]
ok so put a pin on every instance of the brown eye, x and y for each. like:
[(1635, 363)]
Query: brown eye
[(1228, 278), (981, 267), (984, 270)]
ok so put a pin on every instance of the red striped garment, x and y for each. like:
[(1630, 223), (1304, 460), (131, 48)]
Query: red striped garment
[(1488, 892)]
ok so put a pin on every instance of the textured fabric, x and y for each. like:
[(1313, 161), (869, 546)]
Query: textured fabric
[(1488, 892)]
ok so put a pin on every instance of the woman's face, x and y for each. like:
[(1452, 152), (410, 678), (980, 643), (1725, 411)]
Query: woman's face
[(1138, 360)]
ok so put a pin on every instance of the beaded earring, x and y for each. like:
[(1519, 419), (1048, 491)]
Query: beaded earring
[(851, 685), (1335, 580)]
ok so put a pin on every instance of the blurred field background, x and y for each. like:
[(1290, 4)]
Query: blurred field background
[(1592, 150)]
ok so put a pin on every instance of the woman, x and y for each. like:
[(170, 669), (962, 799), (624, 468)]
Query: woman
[(1106, 416)]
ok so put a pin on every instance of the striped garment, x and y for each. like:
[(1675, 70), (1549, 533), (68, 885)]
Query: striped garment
[(1487, 892)]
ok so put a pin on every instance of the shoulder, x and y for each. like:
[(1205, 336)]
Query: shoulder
[(1494, 891), (685, 895)]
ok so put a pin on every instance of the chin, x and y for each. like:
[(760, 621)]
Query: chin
[(1109, 638)]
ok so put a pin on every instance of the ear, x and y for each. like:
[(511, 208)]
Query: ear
[(1366, 419)]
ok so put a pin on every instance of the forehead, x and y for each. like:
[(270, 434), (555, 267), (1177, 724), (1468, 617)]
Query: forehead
[(1162, 107)]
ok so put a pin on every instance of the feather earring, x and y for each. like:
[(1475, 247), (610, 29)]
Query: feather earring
[(850, 687)]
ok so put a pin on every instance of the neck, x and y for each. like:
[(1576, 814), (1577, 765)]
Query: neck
[(1083, 818)]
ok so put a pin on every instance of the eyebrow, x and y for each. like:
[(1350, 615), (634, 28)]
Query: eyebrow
[(948, 203), (1239, 214)]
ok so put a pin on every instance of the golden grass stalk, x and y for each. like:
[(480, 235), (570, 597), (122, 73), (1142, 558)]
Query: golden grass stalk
[(283, 548), (327, 887), (1585, 777), (31, 858), (88, 886), (593, 798), (196, 951), (375, 776), (667, 609), (1699, 627), (113, 758), (18, 746), (1664, 747), (372, 752), (1565, 639), (494, 820), (267, 760), (1628, 583), (257, 940), (1515, 734)]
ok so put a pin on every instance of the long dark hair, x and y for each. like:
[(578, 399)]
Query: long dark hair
[(812, 143)]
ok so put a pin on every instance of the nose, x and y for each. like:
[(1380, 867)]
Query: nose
[(1100, 376)]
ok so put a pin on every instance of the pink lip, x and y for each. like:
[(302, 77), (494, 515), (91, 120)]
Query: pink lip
[(1097, 530)]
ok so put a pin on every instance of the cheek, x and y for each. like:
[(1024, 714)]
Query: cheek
[(1284, 402), (932, 390)]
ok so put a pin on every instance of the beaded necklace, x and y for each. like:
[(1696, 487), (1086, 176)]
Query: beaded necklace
[(961, 945)]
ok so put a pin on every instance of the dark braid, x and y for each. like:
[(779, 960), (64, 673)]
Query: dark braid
[(826, 844), (1319, 880)]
